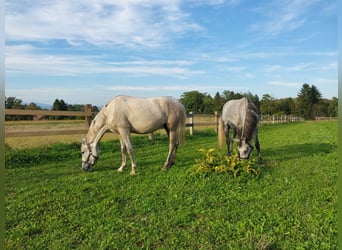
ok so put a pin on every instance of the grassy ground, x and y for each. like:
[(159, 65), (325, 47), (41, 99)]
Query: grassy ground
[(291, 204)]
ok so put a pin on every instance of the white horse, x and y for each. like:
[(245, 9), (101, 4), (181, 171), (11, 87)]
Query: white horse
[(125, 114), (242, 116)]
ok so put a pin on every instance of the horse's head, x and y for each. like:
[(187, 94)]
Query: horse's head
[(89, 156), (244, 149)]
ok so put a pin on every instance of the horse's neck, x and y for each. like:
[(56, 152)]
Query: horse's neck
[(97, 129), (244, 117)]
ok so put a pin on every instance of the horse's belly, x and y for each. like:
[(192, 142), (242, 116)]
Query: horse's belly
[(146, 127)]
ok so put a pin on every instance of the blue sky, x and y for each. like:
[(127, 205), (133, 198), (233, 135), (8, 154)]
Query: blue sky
[(90, 51)]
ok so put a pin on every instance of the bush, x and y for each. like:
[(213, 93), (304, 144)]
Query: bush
[(213, 161)]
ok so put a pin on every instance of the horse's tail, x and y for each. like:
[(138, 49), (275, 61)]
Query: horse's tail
[(221, 134), (181, 127)]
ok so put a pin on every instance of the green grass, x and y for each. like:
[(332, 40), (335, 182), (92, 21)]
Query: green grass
[(290, 204)]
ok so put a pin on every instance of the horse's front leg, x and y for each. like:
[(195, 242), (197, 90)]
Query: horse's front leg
[(123, 156), (228, 141), (232, 141), (257, 146), (126, 140)]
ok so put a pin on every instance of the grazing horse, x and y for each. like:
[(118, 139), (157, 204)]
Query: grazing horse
[(125, 115), (242, 116)]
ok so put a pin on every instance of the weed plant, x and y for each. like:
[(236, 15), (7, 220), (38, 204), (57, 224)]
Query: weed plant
[(214, 161)]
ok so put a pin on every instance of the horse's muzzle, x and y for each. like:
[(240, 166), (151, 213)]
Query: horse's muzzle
[(86, 167), (245, 157)]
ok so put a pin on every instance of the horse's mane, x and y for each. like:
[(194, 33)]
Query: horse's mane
[(251, 120), (96, 124)]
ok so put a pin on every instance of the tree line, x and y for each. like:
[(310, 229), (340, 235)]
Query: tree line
[(308, 104)]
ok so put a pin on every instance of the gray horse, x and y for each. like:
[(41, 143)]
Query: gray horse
[(242, 116), (125, 115)]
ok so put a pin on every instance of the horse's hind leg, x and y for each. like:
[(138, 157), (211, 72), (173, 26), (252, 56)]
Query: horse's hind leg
[(173, 155), (167, 130), (172, 151)]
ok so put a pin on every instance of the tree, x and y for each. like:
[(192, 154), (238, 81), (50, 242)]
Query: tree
[(59, 105), (218, 102), (230, 95), (208, 104), (267, 105), (308, 97), (192, 101), (32, 106), (285, 106), (13, 103), (333, 107)]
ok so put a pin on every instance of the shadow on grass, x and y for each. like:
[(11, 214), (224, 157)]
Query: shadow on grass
[(297, 151)]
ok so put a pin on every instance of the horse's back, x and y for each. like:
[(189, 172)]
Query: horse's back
[(160, 106), (234, 111), (143, 115)]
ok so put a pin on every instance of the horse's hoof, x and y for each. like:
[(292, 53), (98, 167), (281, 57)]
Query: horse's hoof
[(132, 173), (165, 167), (119, 170)]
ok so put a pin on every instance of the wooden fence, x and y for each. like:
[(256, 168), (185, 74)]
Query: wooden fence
[(87, 114), (275, 119), (193, 120)]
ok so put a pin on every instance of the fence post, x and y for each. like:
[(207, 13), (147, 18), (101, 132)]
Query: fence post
[(191, 116), (88, 114), (216, 121)]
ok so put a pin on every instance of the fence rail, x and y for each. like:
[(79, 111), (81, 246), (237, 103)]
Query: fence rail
[(275, 119), (329, 118)]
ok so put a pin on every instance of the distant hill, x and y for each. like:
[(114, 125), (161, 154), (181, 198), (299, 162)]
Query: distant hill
[(42, 105)]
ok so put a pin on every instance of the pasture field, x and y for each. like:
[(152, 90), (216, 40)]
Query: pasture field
[(292, 203), (34, 141)]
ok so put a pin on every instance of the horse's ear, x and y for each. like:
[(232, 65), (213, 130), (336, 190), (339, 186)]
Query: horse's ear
[(83, 141)]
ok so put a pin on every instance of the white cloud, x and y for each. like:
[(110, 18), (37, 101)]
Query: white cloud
[(284, 84), (214, 2), (153, 70), (329, 66), (236, 69), (281, 68), (154, 62), (249, 75), (128, 23), (26, 59), (282, 16), (161, 88), (326, 82)]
